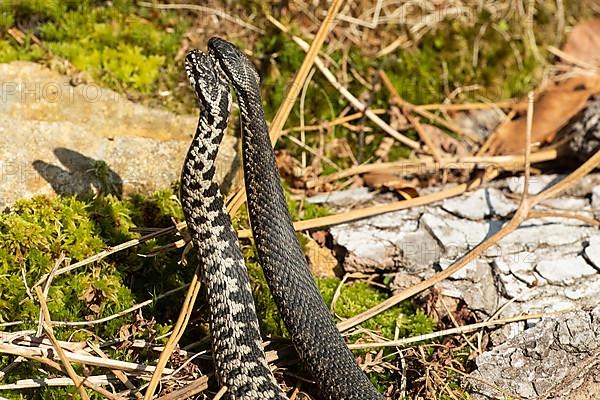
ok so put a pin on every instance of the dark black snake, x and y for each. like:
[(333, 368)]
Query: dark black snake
[(237, 350)]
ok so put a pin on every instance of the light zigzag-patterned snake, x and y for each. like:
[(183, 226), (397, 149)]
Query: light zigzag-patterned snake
[(239, 357)]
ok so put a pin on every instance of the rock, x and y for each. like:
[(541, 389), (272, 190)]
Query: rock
[(54, 136), (530, 235), (381, 243), (564, 271), (480, 204), (545, 264), (536, 183), (556, 359), (596, 197), (343, 197), (475, 285), (548, 264), (455, 235), (592, 251)]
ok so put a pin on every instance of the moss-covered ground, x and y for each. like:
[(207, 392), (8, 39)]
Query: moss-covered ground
[(136, 49), (36, 232)]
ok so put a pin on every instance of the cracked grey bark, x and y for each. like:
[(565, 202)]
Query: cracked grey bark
[(547, 264), (559, 358)]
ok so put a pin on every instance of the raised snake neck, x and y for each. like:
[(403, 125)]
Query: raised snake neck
[(307, 318), (237, 350)]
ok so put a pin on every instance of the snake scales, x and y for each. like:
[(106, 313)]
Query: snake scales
[(237, 346)]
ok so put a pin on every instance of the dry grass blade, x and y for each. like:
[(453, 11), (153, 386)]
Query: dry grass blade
[(90, 384), (425, 138), (40, 383), (47, 353), (198, 386), (311, 55), (510, 163), (204, 9), (119, 374), (464, 107), (77, 381), (356, 103), (120, 313), (583, 218), (178, 329), (453, 331), (112, 250), (220, 393), (329, 124), (423, 113)]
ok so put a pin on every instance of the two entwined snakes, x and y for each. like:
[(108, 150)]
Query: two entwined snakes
[(236, 341)]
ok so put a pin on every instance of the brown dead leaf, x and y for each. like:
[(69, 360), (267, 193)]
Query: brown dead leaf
[(377, 180), (393, 182), (290, 169), (17, 34), (321, 260), (287, 164), (88, 295), (340, 148), (407, 192), (583, 42), (20, 36), (125, 332), (553, 109), (95, 308), (398, 120)]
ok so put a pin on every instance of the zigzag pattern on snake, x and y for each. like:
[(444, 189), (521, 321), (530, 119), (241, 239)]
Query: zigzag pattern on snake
[(239, 357)]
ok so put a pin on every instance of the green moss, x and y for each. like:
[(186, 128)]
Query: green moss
[(358, 297), (305, 210), (32, 236), (115, 45), (35, 232), (403, 320)]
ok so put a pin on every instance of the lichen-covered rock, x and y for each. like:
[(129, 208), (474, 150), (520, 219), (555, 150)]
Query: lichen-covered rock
[(59, 138)]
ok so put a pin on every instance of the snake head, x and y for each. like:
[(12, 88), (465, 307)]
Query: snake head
[(207, 81), (240, 71)]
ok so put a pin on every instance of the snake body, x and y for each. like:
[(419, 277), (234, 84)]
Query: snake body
[(236, 337)]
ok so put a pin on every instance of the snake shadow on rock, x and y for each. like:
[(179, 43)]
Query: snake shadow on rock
[(83, 175)]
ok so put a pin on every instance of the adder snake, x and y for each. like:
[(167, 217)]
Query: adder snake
[(236, 341)]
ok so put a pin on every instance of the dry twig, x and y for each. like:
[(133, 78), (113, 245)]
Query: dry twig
[(204, 9)]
